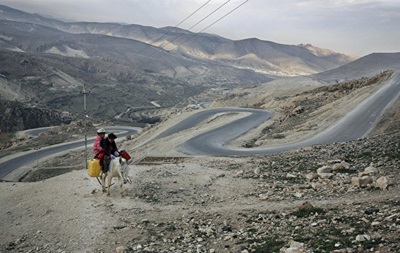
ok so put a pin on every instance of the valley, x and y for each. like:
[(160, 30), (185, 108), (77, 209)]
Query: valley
[(338, 196)]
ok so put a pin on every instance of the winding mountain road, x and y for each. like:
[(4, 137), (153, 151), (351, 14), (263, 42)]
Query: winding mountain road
[(356, 124)]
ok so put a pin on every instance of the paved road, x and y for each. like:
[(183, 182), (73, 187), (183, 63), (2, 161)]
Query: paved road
[(257, 117), (24, 159), (356, 124)]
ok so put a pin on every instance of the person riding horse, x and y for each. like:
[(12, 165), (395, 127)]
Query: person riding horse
[(101, 133), (110, 151)]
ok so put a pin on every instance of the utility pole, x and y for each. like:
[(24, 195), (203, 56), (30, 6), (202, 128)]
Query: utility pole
[(85, 122), (37, 157)]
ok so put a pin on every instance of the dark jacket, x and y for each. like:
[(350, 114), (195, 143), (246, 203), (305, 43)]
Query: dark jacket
[(109, 147)]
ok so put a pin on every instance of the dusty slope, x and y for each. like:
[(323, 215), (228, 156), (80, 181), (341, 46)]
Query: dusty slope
[(242, 204), (213, 205)]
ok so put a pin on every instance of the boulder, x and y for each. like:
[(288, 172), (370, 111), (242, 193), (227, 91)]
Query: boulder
[(362, 238), (341, 165), (312, 176), (325, 175), (316, 185), (361, 181), (121, 249), (324, 169), (383, 182), (306, 206), (298, 195), (295, 247), (369, 171)]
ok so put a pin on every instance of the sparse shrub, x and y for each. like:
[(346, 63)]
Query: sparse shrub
[(305, 212), (278, 136), (269, 245)]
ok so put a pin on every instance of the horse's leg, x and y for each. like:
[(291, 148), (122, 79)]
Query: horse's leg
[(109, 185), (104, 170), (103, 181), (121, 182)]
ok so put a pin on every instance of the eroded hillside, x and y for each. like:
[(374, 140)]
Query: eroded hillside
[(341, 197), (131, 73)]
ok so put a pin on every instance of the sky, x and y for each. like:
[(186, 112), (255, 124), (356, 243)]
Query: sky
[(353, 27)]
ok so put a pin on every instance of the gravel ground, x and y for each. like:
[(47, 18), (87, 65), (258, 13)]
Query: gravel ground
[(342, 197)]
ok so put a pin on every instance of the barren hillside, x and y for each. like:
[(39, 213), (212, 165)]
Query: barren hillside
[(338, 198), (342, 197)]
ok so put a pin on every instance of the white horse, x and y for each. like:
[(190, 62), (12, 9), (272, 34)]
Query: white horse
[(118, 168)]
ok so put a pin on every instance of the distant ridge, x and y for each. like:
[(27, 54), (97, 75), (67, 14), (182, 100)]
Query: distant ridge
[(264, 57), (369, 65), (136, 73)]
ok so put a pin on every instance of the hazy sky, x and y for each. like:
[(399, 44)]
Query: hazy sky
[(357, 27)]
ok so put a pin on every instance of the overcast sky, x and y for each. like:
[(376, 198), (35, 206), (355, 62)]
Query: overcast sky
[(356, 27)]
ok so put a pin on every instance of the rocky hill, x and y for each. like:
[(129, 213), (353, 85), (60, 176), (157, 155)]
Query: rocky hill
[(51, 71), (366, 66), (16, 116), (261, 56), (135, 73)]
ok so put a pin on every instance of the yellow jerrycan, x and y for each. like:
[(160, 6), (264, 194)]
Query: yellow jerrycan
[(94, 167)]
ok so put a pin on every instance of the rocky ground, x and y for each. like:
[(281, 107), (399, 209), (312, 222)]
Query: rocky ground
[(337, 198), (342, 197)]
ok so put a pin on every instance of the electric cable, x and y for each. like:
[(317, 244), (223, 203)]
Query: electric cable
[(209, 14), (194, 35), (162, 36), (165, 34), (213, 23), (169, 42), (193, 13)]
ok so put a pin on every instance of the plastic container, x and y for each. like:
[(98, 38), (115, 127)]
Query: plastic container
[(94, 168)]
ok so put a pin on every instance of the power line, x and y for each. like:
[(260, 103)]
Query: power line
[(209, 14), (223, 16), (190, 38), (169, 42), (165, 34), (237, 7), (162, 36), (193, 13)]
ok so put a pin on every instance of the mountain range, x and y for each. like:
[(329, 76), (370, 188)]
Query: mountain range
[(45, 62)]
